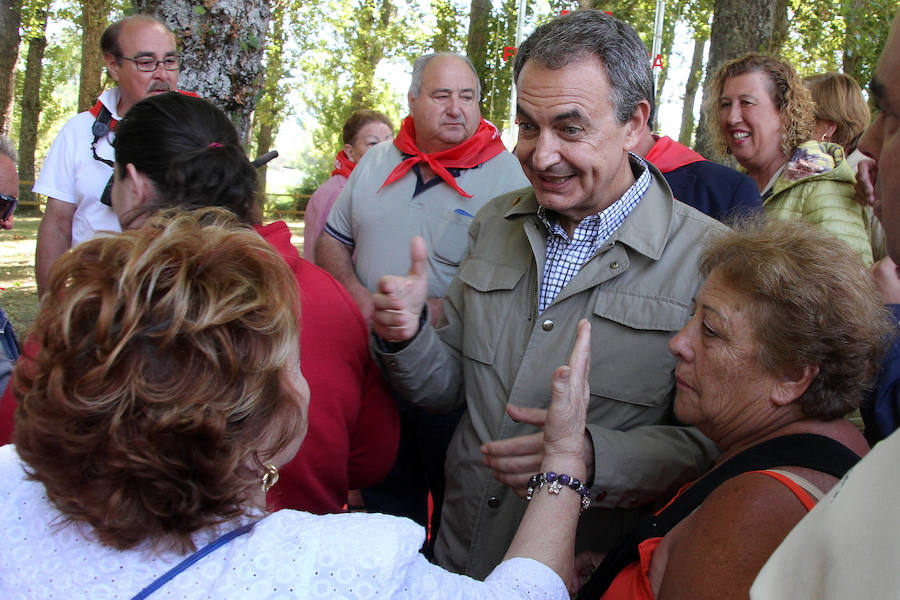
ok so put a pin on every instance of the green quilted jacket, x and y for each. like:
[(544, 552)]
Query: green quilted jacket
[(817, 186)]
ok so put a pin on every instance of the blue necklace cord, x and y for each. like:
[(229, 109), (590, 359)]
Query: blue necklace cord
[(193, 558)]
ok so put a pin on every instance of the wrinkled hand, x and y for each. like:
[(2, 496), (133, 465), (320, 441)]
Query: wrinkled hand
[(884, 272), (565, 426), (7, 223), (866, 172), (514, 460), (399, 300)]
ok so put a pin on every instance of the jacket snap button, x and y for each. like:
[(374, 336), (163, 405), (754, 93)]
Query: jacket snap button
[(614, 264), (493, 502), (547, 325)]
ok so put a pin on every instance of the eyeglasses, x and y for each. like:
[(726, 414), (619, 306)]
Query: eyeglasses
[(149, 64)]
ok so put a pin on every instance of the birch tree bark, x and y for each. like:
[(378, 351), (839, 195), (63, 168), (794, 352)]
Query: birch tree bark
[(222, 44)]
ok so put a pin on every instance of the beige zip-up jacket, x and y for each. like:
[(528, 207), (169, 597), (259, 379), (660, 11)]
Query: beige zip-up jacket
[(493, 348)]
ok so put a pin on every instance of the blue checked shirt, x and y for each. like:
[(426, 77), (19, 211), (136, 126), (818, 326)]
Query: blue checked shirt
[(565, 256)]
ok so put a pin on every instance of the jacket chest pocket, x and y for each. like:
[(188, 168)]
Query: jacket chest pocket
[(630, 358), (491, 297)]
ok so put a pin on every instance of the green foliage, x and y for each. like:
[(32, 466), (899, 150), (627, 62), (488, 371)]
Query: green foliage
[(59, 78), (867, 23), (497, 81), (340, 64), (815, 38), (450, 18)]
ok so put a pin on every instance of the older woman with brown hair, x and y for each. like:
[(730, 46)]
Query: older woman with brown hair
[(166, 393), (841, 116), (178, 152), (363, 130), (786, 335), (841, 111), (765, 116)]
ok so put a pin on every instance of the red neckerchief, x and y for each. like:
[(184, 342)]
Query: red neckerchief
[(342, 165), (98, 106), (668, 155), (484, 145), (95, 112)]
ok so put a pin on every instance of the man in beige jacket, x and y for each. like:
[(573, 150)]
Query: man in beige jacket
[(598, 236)]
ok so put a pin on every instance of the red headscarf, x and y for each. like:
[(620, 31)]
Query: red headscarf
[(482, 146), (342, 165)]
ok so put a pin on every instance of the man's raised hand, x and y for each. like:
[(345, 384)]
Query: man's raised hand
[(400, 300)]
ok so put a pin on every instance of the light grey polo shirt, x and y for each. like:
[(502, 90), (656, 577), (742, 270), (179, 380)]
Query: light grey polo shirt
[(379, 223)]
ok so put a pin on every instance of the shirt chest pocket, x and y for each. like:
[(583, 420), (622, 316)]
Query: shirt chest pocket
[(491, 298), (630, 358), (449, 237)]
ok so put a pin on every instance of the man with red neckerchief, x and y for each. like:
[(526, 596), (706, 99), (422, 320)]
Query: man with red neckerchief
[(445, 163), (443, 166), (79, 164)]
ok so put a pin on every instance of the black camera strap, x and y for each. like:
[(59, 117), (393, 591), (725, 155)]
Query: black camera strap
[(103, 123)]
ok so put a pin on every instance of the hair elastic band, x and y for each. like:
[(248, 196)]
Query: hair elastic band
[(215, 145)]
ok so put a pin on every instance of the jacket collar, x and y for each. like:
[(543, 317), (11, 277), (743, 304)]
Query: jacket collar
[(645, 230)]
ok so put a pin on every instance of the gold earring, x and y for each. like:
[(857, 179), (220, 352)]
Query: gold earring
[(269, 477)]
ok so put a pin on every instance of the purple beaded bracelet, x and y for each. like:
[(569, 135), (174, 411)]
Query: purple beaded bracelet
[(556, 483)]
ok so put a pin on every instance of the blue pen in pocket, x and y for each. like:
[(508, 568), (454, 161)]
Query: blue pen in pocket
[(460, 211)]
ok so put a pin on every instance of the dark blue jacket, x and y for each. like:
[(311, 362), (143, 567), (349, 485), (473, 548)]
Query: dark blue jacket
[(714, 189), (881, 408)]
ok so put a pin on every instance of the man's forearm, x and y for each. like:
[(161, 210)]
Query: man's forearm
[(54, 238), (336, 258)]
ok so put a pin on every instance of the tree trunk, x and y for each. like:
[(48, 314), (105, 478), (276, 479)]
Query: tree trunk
[(10, 15), (93, 22), (478, 40), (738, 27), (31, 105), (780, 27), (265, 133), (222, 44), (690, 92), (270, 109)]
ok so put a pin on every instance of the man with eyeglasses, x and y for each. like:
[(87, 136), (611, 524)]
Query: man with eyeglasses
[(141, 58)]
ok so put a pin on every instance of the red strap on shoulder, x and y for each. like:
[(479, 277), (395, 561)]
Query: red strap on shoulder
[(802, 495)]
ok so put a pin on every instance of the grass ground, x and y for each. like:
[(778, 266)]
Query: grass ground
[(18, 291)]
